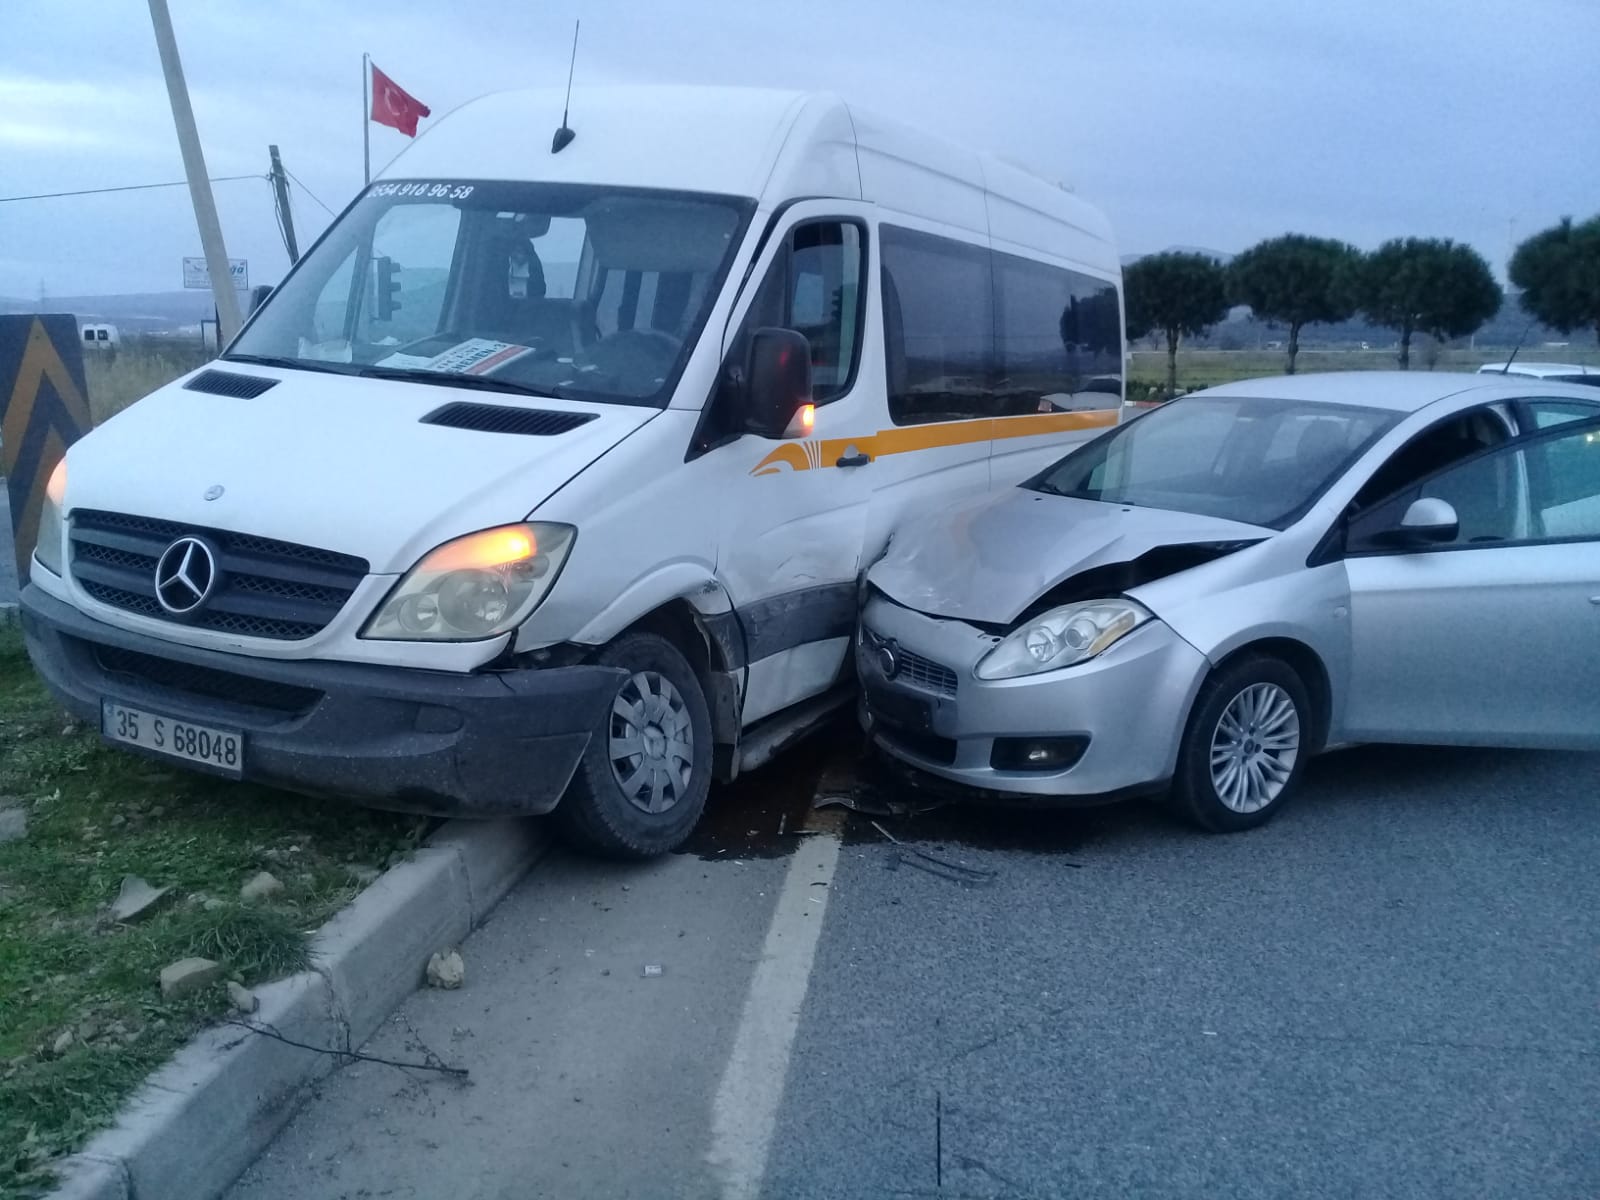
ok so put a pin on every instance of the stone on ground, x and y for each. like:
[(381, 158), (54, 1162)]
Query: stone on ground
[(446, 970), (188, 975), (264, 884), (13, 824), (242, 998), (135, 899)]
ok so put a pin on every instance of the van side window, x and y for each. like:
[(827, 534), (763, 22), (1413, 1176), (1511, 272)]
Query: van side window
[(1059, 339), (938, 327)]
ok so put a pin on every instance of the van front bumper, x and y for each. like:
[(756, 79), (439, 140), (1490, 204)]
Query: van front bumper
[(494, 743)]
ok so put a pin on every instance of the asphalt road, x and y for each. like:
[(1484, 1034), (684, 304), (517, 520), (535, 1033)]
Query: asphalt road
[(1390, 991)]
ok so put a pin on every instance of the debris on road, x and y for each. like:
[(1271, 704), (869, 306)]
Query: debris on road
[(652, 970), (135, 899), (263, 885), (934, 864), (188, 975), (242, 998), (446, 970)]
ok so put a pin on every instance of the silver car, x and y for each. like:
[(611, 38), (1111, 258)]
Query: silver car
[(1198, 601)]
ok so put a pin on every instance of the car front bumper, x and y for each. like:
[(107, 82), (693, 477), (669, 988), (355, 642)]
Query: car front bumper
[(1124, 711), (492, 743)]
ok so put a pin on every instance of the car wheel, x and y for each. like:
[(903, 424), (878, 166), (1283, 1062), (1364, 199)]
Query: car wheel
[(641, 785), (1245, 747)]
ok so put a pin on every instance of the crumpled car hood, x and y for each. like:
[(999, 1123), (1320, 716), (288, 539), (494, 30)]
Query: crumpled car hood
[(988, 560)]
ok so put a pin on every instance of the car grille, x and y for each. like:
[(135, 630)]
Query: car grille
[(209, 682), (926, 674), (265, 589)]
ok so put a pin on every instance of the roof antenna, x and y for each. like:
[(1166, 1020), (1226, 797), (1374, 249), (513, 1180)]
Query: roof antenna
[(1506, 370), (564, 135)]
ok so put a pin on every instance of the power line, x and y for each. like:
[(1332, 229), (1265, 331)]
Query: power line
[(308, 191), (132, 187)]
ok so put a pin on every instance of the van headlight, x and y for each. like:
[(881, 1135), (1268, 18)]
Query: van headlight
[(47, 549), (478, 586), (1062, 637)]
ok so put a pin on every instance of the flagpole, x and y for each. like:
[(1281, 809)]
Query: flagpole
[(366, 121)]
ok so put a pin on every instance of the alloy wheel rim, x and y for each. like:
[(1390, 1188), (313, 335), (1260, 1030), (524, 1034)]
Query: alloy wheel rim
[(651, 742), (1254, 748)]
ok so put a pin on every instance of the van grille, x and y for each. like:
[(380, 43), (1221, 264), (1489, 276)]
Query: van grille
[(190, 680), (266, 588)]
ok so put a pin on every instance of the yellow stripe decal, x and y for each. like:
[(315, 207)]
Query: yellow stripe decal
[(907, 439)]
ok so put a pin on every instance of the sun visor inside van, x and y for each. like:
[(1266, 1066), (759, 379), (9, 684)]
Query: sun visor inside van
[(660, 235)]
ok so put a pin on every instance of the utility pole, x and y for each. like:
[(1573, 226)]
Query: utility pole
[(280, 186), (194, 167)]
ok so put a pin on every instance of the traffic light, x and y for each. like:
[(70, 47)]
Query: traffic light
[(388, 299)]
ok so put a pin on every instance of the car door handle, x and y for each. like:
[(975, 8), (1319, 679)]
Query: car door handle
[(860, 459)]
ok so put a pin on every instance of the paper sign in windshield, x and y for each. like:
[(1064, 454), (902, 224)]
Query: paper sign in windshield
[(475, 356)]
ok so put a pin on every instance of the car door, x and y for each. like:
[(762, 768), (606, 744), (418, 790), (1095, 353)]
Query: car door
[(791, 512), (1492, 637)]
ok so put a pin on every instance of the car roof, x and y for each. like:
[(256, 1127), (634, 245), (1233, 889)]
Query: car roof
[(1397, 391), (1537, 369)]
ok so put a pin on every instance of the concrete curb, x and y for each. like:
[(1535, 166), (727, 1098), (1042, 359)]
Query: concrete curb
[(200, 1120)]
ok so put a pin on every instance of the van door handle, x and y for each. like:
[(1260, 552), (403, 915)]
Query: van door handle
[(860, 459)]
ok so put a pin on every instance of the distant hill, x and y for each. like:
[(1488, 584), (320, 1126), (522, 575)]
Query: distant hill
[(138, 312)]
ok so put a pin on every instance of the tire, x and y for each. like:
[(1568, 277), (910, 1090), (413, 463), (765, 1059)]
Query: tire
[(641, 785), (1255, 715)]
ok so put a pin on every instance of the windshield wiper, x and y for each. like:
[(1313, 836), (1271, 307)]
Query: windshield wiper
[(484, 383), (293, 364)]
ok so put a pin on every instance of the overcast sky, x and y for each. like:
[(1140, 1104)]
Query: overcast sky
[(1198, 122)]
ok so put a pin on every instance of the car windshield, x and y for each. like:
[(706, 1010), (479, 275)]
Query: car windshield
[(1263, 462), (594, 293)]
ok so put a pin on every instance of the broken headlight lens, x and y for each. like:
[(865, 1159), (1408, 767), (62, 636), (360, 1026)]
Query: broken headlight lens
[(1062, 637), (478, 586)]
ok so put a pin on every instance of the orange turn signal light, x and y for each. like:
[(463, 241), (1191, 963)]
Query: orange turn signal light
[(480, 551)]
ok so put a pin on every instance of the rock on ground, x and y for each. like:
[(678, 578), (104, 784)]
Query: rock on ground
[(13, 824), (264, 884), (188, 975), (446, 970), (242, 998), (135, 899)]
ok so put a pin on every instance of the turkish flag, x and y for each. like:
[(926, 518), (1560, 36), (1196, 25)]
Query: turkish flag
[(393, 106)]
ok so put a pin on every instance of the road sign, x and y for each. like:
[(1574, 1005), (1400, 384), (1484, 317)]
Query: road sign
[(44, 408), (197, 275)]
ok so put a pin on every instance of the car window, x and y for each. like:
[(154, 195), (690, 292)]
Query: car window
[(1455, 438), (1543, 489), (1546, 414), (1259, 461), (938, 327)]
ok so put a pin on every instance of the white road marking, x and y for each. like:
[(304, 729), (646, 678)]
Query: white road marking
[(746, 1107)]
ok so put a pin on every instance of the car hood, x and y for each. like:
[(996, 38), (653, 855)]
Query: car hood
[(333, 461), (990, 559)]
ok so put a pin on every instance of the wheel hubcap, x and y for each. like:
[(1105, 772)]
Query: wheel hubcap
[(651, 742), (1254, 747)]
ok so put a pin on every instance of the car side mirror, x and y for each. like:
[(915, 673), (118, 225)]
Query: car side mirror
[(1428, 522), (777, 391)]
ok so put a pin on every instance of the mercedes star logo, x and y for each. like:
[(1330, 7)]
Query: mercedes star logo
[(186, 575)]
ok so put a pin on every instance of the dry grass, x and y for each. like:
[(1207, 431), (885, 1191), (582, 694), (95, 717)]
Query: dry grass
[(118, 378)]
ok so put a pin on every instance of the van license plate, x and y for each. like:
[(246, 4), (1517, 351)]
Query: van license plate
[(220, 749)]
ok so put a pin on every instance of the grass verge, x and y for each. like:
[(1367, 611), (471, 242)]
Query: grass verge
[(95, 815)]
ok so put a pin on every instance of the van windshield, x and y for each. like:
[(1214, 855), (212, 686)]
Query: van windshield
[(580, 291)]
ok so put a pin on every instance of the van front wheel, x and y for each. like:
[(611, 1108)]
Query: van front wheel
[(641, 785)]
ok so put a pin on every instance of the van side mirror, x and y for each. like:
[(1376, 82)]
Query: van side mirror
[(777, 383), (1428, 522)]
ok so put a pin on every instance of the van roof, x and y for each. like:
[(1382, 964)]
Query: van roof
[(766, 144)]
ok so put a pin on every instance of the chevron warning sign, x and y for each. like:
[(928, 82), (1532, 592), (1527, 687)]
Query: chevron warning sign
[(44, 408)]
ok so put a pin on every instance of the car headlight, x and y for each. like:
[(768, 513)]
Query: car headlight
[(1062, 637), (47, 549), (474, 587)]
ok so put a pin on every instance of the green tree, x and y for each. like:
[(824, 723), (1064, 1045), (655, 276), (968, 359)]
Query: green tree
[(1176, 293), (1425, 285), (1294, 280), (1558, 271)]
